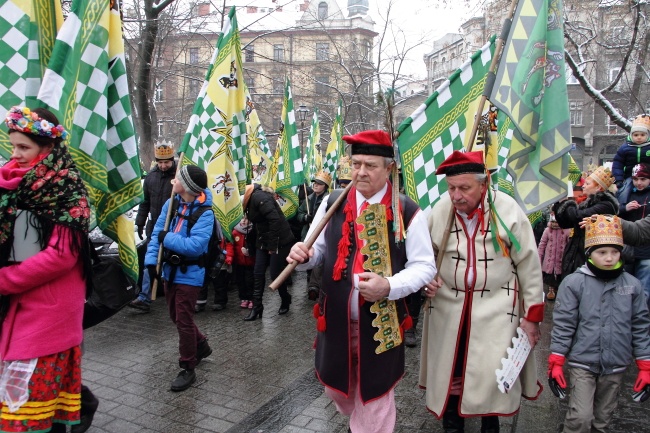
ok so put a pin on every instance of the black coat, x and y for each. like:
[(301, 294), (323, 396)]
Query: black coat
[(272, 228), (157, 190), (569, 215)]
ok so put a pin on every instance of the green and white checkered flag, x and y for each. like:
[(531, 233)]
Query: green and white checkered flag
[(335, 146), (27, 33), (216, 137), (309, 162), (289, 161), (441, 125), (85, 86)]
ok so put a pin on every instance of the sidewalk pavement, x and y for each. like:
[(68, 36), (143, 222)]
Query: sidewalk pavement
[(260, 377)]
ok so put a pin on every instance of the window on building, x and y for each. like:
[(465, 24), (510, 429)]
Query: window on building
[(250, 84), (322, 11), (278, 85), (322, 84), (161, 128), (613, 72), (250, 53), (322, 51), (278, 52), (367, 50), (575, 110), (194, 88), (158, 93), (611, 127), (194, 56), (570, 78)]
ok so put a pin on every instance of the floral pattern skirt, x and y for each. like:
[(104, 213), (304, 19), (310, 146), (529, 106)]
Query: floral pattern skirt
[(54, 395)]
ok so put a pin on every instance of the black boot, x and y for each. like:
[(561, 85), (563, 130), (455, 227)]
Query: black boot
[(258, 292), (184, 380), (286, 300), (452, 422), (57, 428), (490, 424), (89, 405)]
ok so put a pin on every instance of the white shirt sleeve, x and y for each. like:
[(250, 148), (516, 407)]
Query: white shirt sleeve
[(421, 263)]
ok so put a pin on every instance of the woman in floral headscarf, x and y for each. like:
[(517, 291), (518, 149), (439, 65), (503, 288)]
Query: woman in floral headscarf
[(44, 265)]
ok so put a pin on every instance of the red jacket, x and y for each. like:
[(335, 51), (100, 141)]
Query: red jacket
[(233, 250)]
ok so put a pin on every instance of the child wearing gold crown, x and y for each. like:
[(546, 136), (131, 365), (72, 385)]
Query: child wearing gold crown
[(635, 150), (569, 214), (600, 324)]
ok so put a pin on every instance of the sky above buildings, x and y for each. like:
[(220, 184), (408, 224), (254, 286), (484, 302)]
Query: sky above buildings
[(420, 22)]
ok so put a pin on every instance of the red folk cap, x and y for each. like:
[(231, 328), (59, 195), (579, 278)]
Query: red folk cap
[(462, 163), (373, 142)]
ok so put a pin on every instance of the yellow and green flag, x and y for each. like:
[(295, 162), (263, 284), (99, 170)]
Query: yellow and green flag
[(531, 94), (335, 147), (310, 163), (216, 137), (28, 30), (85, 86)]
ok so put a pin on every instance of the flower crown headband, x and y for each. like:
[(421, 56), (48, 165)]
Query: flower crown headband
[(26, 121)]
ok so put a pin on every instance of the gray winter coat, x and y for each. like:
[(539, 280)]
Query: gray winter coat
[(601, 326)]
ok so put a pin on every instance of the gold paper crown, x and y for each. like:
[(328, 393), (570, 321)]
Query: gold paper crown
[(603, 230), (641, 124), (324, 177), (164, 151), (603, 177), (344, 171)]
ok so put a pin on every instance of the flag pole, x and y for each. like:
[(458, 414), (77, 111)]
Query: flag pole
[(489, 84), (314, 235), (168, 219)]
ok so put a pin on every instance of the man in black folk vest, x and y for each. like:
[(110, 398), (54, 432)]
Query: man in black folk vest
[(360, 381)]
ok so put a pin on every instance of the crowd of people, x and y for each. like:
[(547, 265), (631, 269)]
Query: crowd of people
[(474, 258)]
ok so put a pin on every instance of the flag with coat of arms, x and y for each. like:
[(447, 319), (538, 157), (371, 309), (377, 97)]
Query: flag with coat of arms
[(216, 137), (28, 30), (442, 124), (310, 162), (85, 86), (335, 149), (531, 94), (259, 152)]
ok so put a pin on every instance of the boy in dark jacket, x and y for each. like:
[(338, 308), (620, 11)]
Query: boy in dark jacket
[(600, 324), (182, 272), (635, 150)]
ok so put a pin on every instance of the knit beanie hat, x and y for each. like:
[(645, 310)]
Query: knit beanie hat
[(193, 179), (641, 124)]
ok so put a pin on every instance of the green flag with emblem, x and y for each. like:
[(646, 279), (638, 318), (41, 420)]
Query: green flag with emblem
[(216, 137), (289, 155), (335, 147), (310, 162), (531, 93), (27, 33), (85, 86), (441, 125)]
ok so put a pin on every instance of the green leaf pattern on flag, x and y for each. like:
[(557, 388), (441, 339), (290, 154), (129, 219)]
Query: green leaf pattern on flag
[(216, 137), (530, 89), (24, 24), (85, 86), (310, 164), (441, 125), (289, 160)]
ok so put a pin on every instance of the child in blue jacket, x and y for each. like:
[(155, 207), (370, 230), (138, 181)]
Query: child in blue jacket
[(182, 271), (635, 150)]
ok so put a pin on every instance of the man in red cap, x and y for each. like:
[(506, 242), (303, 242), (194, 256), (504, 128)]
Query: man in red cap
[(360, 381), (490, 280)]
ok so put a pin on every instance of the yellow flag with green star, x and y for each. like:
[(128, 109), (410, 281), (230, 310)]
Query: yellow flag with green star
[(216, 137)]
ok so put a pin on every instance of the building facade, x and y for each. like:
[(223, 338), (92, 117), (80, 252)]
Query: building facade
[(325, 51)]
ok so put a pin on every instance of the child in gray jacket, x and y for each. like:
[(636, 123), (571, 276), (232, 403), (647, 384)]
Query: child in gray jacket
[(600, 324)]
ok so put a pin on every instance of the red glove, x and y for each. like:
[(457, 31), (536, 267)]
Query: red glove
[(643, 377), (555, 363), (229, 260)]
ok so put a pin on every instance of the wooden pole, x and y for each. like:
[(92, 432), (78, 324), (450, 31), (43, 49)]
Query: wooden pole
[(314, 235), (154, 284)]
